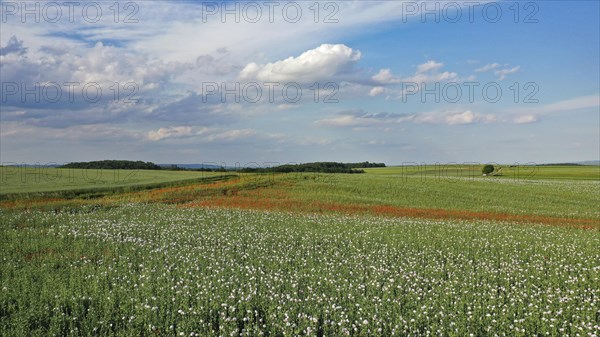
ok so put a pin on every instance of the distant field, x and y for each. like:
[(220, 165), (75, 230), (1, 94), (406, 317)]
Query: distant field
[(33, 180), (508, 172), (569, 199), (397, 196), (392, 194)]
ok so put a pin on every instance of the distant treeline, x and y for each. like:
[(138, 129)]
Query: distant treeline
[(174, 167), (560, 164), (320, 167), (114, 165)]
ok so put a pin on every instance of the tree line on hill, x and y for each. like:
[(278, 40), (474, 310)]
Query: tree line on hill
[(113, 165), (318, 167)]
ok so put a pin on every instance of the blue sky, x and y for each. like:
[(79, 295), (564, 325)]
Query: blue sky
[(372, 64)]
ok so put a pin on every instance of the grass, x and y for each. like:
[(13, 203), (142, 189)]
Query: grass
[(376, 254)]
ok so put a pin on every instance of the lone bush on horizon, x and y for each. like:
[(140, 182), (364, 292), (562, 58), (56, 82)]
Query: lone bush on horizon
[(487, 169)]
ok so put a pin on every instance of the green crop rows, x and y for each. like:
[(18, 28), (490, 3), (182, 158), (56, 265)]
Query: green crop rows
[(152, 270)]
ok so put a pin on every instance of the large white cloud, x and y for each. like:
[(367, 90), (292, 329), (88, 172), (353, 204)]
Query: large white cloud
[(325, 62)]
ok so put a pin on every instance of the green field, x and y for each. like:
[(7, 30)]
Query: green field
[(558, 198), (36, 180), (514, 172), (303, 254)]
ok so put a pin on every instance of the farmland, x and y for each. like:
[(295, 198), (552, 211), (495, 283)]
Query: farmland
[(376, 254), (23, 180), (511, 172)]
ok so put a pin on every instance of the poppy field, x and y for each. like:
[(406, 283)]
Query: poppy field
[(261, 257)]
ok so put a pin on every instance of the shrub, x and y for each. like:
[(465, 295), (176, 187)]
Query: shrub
[(487, 169)]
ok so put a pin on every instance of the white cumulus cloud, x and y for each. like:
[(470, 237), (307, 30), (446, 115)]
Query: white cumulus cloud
[(324, 62)]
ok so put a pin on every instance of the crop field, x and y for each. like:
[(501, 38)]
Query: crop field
[(510, 172), (305, 255), (47, 179)]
